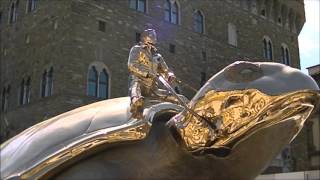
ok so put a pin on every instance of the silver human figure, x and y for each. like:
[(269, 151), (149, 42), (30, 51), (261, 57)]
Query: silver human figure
[(145, 64)]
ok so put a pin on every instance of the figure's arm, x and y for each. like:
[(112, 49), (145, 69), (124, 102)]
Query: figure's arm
[(135, 63), (164, 69)]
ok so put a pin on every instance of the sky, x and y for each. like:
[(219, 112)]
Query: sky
[(309, 38)]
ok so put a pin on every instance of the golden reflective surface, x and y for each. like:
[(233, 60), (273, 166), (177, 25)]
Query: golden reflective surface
[(134, 133), (237, 113)]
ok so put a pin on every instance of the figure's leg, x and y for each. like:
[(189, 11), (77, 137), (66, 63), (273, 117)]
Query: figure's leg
[(137, 100)]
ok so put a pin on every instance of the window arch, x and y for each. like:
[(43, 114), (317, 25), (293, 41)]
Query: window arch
[(47, 83), (98, 83), (198, 22), (262, 6), (25, 91), (92, 88), (43, 84), (285, 55), (171, 11), (138, 5), (31, 5), (5, 98), (267, 48), (103, 84), (13, 11), (232, 34), (21, 92)]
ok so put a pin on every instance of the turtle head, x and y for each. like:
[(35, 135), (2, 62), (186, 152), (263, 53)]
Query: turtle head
[(243, 99)]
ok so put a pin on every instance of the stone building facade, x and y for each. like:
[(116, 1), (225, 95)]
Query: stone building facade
[(52, 52), (314, 127)]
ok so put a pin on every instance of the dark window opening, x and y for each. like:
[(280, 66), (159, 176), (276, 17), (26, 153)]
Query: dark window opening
[(5, 98), (285, 57), (43, 84), (25, 91), (198, 22), (204, 56), (92, 88), (138, 36), (103, 84), (31, 5), (172, 48), (171, 12), (12, 13), (139, 5), (102, 26), (203, 78), (21, 92), (0, 17), (269, 51), (265, 47), (47, 83), (263, 12)]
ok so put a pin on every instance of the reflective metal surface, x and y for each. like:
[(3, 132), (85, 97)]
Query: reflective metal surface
[(251, 111), (145, 64), (238, 113)]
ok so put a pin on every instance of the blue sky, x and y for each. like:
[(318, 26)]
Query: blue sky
[(309, 36)]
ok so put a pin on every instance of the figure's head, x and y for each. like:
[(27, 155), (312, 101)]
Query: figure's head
[(149, 36)]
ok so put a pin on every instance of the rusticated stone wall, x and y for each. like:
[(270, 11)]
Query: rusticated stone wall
[(65, 35)]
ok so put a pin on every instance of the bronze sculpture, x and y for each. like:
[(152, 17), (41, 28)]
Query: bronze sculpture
[(241, 124)]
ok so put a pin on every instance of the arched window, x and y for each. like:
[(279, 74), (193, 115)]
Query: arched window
[(270, 54), (139, 5), (167, 10), (92, 88), (22, 87), (267, 48), (98, 81), (171, 11), (27, 92), (43, 84), (174, 13), (47, 83), (103, 84), (31, 5), (5, 98), (13, 12), (285, 56), (232, 35), (198, 22)]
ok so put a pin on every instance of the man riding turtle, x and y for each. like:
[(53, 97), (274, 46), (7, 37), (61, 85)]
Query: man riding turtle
[(145, 66)]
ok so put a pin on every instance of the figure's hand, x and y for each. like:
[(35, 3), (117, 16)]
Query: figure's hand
[(157, 57), (171, 77), (151, 75)]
